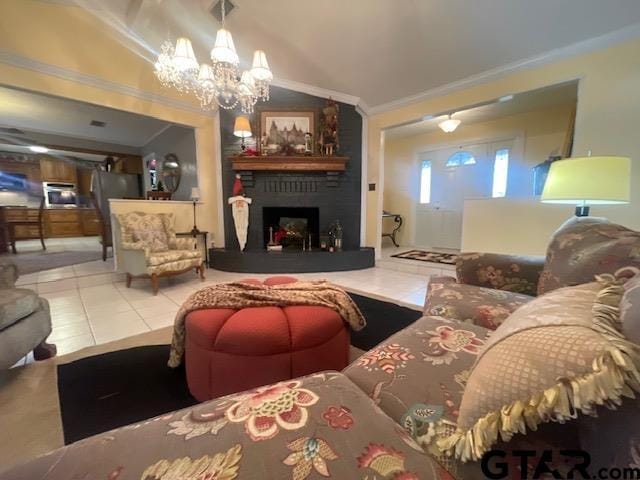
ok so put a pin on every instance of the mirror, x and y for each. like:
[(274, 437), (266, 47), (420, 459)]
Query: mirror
[(171, 172)]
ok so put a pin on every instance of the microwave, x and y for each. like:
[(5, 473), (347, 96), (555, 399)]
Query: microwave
[(60, 194)]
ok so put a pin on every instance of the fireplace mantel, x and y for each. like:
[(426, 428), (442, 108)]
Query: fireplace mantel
[(289, 163)]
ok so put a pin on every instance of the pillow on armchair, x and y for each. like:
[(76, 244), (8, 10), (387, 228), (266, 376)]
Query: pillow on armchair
[(584, 247), (148, 229), (555, 356)]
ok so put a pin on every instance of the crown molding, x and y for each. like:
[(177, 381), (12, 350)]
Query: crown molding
[(316, 91), (97, 82), (597, 43)]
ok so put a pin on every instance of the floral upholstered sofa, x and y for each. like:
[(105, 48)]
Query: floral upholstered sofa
[(385, 415), (147, 246)]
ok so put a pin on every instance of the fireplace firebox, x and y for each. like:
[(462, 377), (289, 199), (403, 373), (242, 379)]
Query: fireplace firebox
[(292, 227)]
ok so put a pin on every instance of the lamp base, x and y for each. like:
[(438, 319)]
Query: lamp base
[(582, 211)]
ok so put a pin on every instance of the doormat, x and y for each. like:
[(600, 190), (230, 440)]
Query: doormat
[(426, 256)]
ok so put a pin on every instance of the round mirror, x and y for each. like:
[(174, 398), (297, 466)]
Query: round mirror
[(171, 172)]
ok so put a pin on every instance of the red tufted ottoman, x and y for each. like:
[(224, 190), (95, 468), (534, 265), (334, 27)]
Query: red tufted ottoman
[(228, 351)]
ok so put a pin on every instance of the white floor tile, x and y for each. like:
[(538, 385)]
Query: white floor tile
[(96, 310), (58, 286), (63, 332), (160, 321), (117, 326), (72, 344)]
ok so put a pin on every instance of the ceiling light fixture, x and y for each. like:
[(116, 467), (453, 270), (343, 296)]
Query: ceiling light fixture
[(450, 124), (220, 82), (38, 149), (506, 98)]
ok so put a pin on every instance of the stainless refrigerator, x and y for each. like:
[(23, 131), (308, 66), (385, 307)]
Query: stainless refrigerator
[(106, 185)]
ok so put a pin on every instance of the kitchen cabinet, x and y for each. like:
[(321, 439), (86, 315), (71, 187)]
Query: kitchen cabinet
[(62, 223), (90, 222), (60, 171)]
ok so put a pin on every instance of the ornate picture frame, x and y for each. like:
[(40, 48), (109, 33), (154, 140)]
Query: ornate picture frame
[(282, 132)]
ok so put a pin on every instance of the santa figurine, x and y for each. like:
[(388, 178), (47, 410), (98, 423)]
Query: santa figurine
[(240, 209)]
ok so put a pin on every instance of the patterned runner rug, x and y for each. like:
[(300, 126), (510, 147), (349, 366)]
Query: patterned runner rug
[(427, 256)]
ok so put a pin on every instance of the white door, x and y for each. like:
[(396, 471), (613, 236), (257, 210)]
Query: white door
[(453, 174)]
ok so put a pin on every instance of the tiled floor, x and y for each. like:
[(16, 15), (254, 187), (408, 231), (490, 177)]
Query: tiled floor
[(91, 305), (86, 244)]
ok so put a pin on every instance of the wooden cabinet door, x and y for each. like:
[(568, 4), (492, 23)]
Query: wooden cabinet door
[(53, 170), (49, 170), (67, 172), (90, 222)]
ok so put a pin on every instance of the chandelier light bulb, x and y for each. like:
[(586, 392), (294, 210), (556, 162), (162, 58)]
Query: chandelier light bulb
[(449, 125)]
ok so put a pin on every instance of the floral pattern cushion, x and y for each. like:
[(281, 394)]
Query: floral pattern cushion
[(486, 307), (153, 230), (513, 273), (312, 427), (584, 247), (417, 377), (159, 258)]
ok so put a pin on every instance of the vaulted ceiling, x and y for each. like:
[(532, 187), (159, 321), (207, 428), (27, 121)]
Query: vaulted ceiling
[(381, 50)]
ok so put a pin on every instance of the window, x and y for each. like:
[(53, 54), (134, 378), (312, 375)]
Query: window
[(461, 158), (425, 182), (500, 171)]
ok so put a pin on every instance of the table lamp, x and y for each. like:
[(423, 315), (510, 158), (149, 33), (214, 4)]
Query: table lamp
[(195, 196), (242, 129), (585, 181)]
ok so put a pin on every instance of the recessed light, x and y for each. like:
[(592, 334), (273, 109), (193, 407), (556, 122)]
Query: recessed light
[(427, 117), (38, 149), (506, 98)]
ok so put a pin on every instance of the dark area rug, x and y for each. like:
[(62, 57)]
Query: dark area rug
[(427, 256), (43, 260), (383, 320), (107, 391), (114, 389)]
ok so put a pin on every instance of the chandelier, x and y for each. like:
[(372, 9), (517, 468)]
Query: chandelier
[(218, 83)]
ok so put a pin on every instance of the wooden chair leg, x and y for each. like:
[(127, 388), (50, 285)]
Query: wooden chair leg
[(154, 283), (202, 271), (12, 238), (104, 251), (44, 247), (128, 280)]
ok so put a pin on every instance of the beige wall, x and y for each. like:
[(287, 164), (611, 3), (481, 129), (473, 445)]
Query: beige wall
[(69, 53), (538, 134), (607, 120)]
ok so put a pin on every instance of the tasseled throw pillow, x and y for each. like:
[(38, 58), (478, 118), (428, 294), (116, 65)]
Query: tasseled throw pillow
[(554, 357)]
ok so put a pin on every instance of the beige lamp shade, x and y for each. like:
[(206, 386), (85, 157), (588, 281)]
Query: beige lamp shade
[(588, 181), (224, 50), (184, 58), (242, 128)]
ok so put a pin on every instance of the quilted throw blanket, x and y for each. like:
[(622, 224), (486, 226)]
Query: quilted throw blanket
[(239, 295)]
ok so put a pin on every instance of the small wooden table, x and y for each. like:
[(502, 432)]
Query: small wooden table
[(199, 233), (397, 218)]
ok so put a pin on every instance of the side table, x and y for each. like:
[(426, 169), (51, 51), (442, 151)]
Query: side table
[(197, 234), (397, 218)]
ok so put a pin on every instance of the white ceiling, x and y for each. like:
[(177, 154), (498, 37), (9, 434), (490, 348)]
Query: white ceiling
[(380, 50), (33, 112), (563, 94)]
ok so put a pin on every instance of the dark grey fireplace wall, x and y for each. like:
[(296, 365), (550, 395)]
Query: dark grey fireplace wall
[(274, 189)]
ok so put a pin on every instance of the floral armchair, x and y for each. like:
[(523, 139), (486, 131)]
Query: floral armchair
[(147, 246)]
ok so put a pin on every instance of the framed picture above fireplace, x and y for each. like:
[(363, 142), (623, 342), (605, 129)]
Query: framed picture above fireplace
[(283, 132)]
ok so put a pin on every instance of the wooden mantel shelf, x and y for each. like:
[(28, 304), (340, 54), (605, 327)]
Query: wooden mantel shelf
[(289, 163)]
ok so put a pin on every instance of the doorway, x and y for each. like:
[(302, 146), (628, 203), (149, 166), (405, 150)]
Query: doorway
[(450, 175)]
